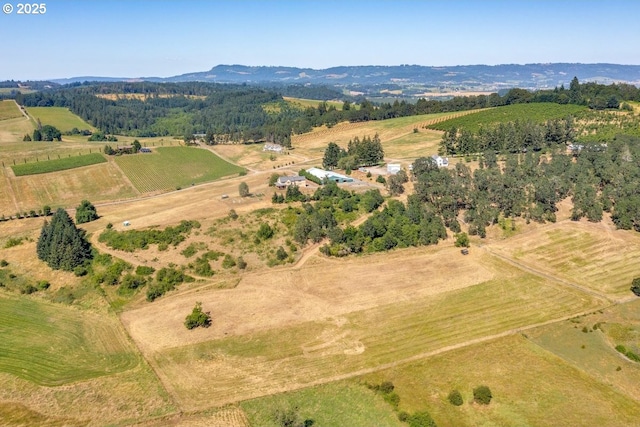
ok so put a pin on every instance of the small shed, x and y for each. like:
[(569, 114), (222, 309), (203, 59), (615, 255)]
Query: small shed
[(393, 168), (126, 223)]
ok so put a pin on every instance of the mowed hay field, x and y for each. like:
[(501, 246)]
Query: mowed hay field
[(9, 110), (530, 386), (313, 144), (60, 117), (170, 167), (49, 344), (65, 362), (340, 338), (101, 182), (590, 254)]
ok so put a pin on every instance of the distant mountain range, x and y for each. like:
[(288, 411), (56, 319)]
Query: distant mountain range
[(408, 80)]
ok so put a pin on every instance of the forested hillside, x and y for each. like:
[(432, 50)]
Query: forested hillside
[(244, 113)]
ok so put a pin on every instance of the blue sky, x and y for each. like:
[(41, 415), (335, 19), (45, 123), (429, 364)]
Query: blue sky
[(165, 38)]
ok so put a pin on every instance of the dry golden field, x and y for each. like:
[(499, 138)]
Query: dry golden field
[(509, 314), (594, 255)]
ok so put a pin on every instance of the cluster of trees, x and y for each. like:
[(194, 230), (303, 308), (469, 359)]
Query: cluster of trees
[(598, 179), (365, 152), (133, 149), (61, 244), (45, 133), (397, 225), (133, 240), (511, 137)]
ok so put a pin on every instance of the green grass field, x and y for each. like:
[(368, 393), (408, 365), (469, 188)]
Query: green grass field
[(316, 351), (9, 110), (538, 113), (335, 404), (55, 165), (50, 344), (171, 167), (60, 117)]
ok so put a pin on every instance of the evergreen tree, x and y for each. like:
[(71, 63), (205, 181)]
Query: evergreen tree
[(331, 156), (61, 244)]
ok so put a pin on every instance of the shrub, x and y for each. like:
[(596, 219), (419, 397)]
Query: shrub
[(386, 387), (43, 284), (421, 419), (198, 318), (243, 189), (232, 214), (143, 270), (392, 399), (3, 263), (281, 254), (462, 240), (11, 242), (381, 179), (228, 261), (265, 231), (130, 282), (635, 286), (482, 395), (455, 398), (80, 271), (242, 264)]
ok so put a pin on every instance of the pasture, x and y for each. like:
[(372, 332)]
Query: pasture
[(588, 343), (342, 403), (100, 182), (332, 330), (312, 144), (59, 117), (9, 110), (537, 112), (49, 344), (531, 386), (594, 255), (170, 167)]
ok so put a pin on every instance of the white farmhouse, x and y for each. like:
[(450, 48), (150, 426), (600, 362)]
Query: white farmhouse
[(442, 162)]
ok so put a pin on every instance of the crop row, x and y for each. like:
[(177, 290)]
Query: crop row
[(538, 113), (172, 167), (58, 164)]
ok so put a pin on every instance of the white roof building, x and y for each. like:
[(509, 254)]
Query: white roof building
[(393, 168), (442, 162)]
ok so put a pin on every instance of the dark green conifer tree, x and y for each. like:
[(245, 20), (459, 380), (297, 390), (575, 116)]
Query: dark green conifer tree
[(61, 244)]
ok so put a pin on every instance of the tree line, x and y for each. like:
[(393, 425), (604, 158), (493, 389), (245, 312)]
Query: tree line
[(238, 113)]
